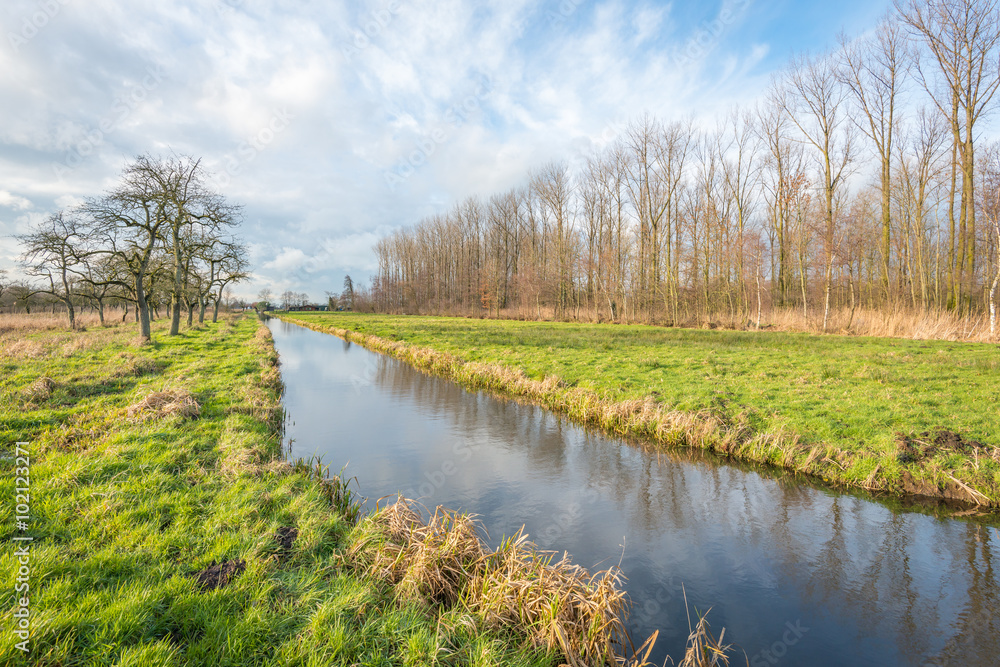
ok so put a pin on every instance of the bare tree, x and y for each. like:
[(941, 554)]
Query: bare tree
[(228, 265), (814, 102), (740, 178), (53, 251), (873, 71), (962, 37), (990, 206), (184, 203)]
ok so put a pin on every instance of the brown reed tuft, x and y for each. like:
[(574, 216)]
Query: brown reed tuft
[(443, 562)]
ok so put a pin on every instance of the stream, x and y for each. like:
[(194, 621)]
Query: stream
[(796, 575)]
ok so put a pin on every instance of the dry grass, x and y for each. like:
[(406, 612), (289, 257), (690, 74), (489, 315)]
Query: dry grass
[(23, 322), (79, 344), (24, 349), (703, 649), (899, 322), (443, 562), (167, 403), (39, 390), (133, 366)]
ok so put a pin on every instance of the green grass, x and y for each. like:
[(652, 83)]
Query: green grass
[(852, 394), (124, 512)]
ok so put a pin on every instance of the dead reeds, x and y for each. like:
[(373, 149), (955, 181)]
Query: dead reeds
[(443, 562), (703, 648)]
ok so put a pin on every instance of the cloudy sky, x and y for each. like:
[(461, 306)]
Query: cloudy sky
[(335, 122)]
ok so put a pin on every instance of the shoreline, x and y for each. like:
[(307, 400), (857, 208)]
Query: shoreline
[(650, 422)]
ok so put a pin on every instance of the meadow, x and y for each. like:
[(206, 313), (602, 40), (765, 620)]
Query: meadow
[(168, 529), (888, 415)]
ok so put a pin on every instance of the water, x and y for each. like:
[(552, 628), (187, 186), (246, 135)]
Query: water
[(796, 575)]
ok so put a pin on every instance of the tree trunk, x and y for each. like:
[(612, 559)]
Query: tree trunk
[(759, 298), (175, 296), (142, 311), (993, 303)]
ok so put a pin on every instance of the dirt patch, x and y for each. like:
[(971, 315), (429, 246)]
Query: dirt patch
[(285, 537), (161, 404), (917, 448), (218, 575)]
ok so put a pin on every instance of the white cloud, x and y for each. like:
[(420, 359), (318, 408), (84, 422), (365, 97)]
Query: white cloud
[(13, 201), (315, 194)]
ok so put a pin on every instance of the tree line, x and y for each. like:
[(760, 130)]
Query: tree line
[(859, 179), (162, 237)]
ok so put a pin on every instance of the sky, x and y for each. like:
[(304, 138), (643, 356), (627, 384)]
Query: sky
[(334, 123)]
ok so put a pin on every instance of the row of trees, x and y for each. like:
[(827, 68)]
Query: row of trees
[(345, 300), (858, 179), (161, 235)]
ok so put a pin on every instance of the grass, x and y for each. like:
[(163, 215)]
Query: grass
[(845, 409), (168, 530)]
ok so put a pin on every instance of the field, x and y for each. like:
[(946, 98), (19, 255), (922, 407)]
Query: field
[(884, 414), (168, 529)]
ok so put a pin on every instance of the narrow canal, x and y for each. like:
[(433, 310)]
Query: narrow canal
[(796, 575)]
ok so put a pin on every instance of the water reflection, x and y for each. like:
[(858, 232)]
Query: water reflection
[(797, 575)]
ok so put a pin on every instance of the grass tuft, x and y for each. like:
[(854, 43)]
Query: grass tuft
[(167, 403), (38, 391)]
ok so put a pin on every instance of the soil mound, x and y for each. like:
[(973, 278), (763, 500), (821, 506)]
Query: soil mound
[(218, 575), (916, 448)]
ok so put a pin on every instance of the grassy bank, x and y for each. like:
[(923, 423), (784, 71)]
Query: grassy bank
[(887, 415), (169, 531)]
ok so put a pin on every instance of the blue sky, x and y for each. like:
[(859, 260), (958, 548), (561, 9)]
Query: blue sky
[(334, 123)]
